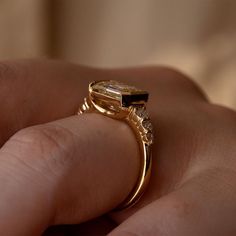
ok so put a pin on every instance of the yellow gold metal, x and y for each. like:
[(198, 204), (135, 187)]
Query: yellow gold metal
[(128, 104)]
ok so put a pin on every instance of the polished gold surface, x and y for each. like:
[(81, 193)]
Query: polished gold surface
[(128, 104)]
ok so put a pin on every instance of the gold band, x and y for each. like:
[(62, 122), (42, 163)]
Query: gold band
[(137, 118)]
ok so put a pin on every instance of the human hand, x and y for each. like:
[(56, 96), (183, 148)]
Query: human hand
[(193, 183), (190, 179)]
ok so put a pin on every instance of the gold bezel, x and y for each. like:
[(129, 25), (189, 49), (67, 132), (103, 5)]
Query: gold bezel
[(125, 97)]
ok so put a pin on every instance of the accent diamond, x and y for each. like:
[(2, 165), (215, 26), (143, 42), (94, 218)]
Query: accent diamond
[(141, 112), (150, 137), (147, 125)]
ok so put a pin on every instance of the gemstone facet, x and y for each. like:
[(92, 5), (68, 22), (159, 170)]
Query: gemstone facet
[(150, 136), (141, 112), (147, 125), (127, 95)]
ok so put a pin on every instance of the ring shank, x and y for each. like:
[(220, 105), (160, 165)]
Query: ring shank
[(145, 147)]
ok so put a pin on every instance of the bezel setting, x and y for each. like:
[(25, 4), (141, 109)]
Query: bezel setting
[(118, 93)]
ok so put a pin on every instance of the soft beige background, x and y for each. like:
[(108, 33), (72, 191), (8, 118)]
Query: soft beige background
[(196, 36)]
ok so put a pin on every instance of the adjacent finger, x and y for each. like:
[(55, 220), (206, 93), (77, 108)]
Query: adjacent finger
[(65, 172), (202, 206), (39, 91)]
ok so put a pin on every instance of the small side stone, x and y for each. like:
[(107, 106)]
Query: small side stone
[(141, 112), (150, 136), (147, 125)]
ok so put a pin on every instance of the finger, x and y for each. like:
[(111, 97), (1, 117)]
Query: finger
[(178, 108), (202, 206), (37, 91), (65, 172), (47, 90)]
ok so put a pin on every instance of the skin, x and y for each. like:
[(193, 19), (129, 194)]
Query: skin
[(59, 168)]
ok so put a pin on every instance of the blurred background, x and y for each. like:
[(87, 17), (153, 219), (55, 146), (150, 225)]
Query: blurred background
[(195, 36)]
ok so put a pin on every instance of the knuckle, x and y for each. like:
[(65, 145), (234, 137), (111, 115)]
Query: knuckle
[(223, 114), (50, 143), (175, 76), (38, 137), (175, 81), (179, 79), (223, 109)]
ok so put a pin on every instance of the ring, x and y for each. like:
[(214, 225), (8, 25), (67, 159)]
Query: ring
[(128, 104)]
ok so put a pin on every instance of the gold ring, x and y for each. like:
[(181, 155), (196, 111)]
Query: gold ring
[(126, 103)]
